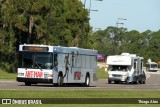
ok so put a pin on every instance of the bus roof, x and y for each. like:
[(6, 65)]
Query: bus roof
[(151, 63), (60, 49)]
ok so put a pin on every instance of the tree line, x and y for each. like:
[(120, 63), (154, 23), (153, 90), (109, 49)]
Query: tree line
[(115, 40), (50, 22)]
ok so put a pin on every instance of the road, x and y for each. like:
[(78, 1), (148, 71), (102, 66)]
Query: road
[(152, 83)]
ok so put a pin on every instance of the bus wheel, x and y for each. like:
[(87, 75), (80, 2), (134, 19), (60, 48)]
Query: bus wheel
[(134, 82), (140, 82), (28, 83), (87, 81), (60, 80), (144, 82)]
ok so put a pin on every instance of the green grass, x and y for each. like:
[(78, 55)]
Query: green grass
[(5, 75), (82, 94), (102, 74), (79, 94)]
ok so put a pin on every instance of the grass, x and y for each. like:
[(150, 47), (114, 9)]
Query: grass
[(82, 94), (102, 74), (79, 94), (5, 75)]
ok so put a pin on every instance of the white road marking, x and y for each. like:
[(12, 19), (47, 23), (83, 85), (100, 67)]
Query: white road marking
[(148, 76), (8, 81)]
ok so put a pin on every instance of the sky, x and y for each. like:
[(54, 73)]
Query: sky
[(141, 15)]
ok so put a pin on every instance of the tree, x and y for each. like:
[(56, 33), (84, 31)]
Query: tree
[(54, 22), (116, 41), (154, 47), (70, 20)]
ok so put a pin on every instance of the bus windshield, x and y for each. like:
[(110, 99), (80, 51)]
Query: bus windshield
[(35, 60), (153, 65)]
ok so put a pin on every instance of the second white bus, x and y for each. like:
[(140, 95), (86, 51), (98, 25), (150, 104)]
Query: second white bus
[(152, 66)]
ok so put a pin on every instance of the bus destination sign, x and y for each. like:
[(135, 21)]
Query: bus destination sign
[(35, 48)]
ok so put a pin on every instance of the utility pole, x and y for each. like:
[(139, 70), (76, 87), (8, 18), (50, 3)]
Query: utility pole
[(48, 23), (90, 4), (117, 33)]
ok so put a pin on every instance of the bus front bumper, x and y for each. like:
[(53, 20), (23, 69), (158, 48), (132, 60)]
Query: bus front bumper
[(34, 80)]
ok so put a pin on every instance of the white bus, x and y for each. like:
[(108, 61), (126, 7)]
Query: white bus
[(152, 66), (56, 64)]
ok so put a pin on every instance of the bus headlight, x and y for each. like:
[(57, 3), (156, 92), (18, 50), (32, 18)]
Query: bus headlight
[(48, 75), (20, 74)]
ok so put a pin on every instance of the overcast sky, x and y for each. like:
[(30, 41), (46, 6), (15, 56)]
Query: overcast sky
[(141, 15)]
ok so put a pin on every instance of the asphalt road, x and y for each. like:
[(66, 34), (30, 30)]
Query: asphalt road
[(152, 83)]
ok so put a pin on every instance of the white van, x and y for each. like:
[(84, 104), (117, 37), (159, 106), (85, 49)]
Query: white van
[(126, 68)]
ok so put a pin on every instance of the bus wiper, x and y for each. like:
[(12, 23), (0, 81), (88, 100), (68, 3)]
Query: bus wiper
[(38, 66)]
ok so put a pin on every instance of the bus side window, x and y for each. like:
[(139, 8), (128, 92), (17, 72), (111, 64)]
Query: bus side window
[(141, 66), (135, 64), (55, 62)]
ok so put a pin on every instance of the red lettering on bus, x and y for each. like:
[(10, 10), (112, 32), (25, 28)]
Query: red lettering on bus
[(29, 73), (35, 74), (38, 74), (77, 75)]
